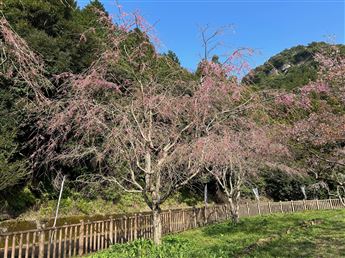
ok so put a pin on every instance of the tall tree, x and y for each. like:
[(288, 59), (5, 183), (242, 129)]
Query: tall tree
[(141, 133), (235, 155)]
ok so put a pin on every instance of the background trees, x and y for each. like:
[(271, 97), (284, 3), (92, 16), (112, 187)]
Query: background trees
[(67, 39), (52, 29), (315, 127), (58, 30)]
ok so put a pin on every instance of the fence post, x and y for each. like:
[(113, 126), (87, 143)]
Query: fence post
[(111, 228), (195, 219), (102, 234), (259, 208), (304, 205), (86, 236), (13, 249), (269, 207), (281, 206), (205, 214), (292, 206), (125, 234), (247, 208), (139, 226), (330, 202), (6, 246), (170, 221), (135, 226), (81, 238), (41, 240), (317, 204), (183, 220), (21, 245)]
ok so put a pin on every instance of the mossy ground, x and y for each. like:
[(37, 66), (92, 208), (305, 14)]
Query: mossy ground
[(305, 234)]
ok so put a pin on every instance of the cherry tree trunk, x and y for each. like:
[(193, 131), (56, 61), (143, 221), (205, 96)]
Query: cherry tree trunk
[(157, 226), (234, 210)]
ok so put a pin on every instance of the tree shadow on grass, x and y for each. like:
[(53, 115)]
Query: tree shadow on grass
[(264, 225), (279, 236), (272, 223), (303, 243), (267, 246), (285, 248)]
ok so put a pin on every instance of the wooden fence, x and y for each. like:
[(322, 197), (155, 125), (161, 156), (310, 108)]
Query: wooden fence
[(88, 237)]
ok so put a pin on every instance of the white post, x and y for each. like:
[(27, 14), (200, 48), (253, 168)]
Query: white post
[(256, 193), (205, 195), (58, 204), (303, 191)]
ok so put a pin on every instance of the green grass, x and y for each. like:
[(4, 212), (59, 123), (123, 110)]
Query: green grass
[(305, 234)]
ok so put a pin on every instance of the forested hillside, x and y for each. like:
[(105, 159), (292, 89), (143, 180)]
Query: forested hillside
[(90, 98), (289, 69)]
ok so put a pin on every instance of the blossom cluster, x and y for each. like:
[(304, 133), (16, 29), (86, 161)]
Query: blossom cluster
[(302, 98)]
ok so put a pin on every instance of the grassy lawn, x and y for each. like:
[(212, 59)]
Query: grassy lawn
[(305, 234)]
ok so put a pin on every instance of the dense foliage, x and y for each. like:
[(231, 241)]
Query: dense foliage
[(66, 39)]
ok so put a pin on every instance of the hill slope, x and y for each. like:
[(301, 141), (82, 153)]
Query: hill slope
[(291, 68)]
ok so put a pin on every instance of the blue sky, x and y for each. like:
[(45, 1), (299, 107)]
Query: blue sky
[(267, 26)]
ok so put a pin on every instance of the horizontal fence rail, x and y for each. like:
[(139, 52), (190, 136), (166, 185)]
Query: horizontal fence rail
[(88, 237)]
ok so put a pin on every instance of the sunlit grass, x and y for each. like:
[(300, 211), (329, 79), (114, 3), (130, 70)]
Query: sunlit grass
[(305, 234)]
